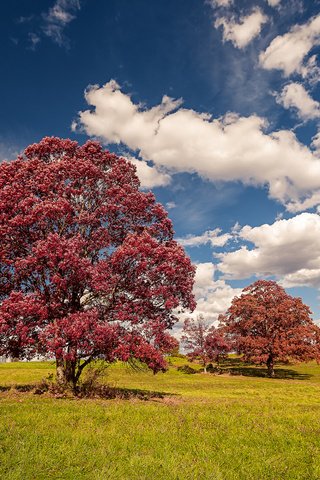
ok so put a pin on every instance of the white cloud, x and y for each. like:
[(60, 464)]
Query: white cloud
[(241, 34), (213, 296), (220, 3), (310, 70), (287, 52), (170, 205), (236, 229), (288, 249), (305, 277), (295, 96), (210, 236), (273, 3), (51, 23), (150, 176), (231, 148), (58, 17)]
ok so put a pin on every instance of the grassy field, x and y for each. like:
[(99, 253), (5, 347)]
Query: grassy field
[(219, 427)]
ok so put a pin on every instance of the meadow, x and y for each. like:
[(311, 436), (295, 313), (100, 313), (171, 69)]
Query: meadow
[(234, 426)]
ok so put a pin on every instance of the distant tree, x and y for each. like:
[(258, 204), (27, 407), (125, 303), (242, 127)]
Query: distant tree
[(203, 342), (89, 268), (267, 324)]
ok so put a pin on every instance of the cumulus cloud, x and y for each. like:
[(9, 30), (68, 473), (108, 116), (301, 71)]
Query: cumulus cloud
[(150, 176), (210, 236), (231, 148), (288, 249), (241, 34), (287, 52), (58, 17), (213, 296), (294, 95), (273, 3)]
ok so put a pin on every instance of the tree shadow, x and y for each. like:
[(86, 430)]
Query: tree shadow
[(19, 388), (235, 366), (108, 392), (98, 391), (4, 388)]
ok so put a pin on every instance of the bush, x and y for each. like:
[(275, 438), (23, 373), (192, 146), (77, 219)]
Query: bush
[(187, 369)]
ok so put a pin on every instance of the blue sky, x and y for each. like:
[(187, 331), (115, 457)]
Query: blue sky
[(216, 102)]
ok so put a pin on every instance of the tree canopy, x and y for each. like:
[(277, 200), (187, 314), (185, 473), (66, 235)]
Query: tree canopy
[(89, 267), (267, 324)]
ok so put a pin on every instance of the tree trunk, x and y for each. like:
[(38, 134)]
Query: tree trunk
[(66, 373), (270, 366), (204, 368), (61, 378), (71, 373)]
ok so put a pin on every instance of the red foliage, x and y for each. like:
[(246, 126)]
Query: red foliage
[(217, 344), (267, 324), (203, 341), (89, 267)]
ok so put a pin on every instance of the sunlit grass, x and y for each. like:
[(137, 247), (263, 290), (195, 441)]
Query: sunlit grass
[(226, 427)]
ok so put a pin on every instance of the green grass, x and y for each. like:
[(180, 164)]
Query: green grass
[(228, 427)]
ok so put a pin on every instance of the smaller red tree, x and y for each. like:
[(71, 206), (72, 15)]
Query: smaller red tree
[(203, 341), (172, 346), (266, 324), (217, 344)]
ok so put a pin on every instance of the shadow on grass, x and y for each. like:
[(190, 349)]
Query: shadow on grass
[(107, 392), (99, 391), (281, 373), (235, 366), (19, 388)]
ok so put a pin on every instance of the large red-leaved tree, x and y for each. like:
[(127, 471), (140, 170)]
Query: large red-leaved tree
[(203, 341), (89, 267), (267, 324)]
